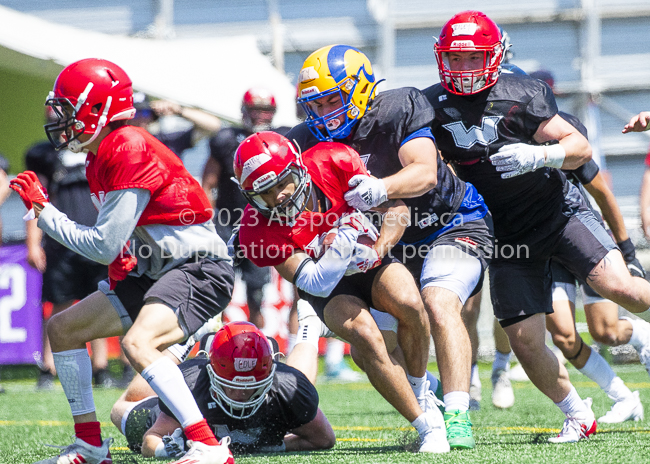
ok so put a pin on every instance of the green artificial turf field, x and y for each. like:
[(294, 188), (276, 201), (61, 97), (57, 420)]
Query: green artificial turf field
[(368, 430)]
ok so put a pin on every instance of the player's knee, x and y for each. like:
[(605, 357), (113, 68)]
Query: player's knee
[(326, 440), (605, 335), (58, 333), (564, 341), (116, 414)]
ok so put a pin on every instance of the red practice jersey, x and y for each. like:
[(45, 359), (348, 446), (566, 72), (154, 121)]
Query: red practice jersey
[(130, 157), (270, 243)]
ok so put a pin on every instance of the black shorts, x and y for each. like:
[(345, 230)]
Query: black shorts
[(358, 285), (474, 238), (562, 275), (196, 291), (140, 419), (255, 277), (521, 278), (69, 276)]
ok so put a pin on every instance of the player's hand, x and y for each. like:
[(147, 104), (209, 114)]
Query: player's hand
[(629, 255), (120, 267), (363, 259), (367, 192), (518, 158), (174, 444), (359, 222), (27, 185), (36, 258), (638, 123)]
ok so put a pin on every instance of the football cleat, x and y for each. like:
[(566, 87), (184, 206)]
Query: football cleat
[(624, 410), (81, 452), (503, 396), (577, 427), (200, 453), (431, 400), (642, 333), (459, 430), (434, 438)]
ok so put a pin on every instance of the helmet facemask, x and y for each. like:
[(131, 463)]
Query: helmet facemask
[(63, 127), (257, 119), (328, 126), (239, 409), (468, 82)]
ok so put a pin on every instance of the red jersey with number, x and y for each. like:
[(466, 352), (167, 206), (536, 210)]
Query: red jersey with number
[(130, 157), (271, 242)]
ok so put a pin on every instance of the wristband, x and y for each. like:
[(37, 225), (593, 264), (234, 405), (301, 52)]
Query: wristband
[(627, 249), (555, 155)]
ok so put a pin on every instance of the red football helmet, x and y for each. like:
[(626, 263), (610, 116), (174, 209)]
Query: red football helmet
[(241, 359), (469, 31), (258, 108), (87, 95), (264, 160)]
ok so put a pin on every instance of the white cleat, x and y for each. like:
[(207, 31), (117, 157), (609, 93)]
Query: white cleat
[(82, 452), (578, 427), (200, 453), (625, 410), (503, 396), (430, 401), (434, 439)]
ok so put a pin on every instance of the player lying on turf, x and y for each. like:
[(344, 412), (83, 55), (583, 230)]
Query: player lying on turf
[(295, 202), (262, 405)]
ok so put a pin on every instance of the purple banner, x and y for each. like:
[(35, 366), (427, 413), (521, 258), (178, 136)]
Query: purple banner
[(20, 307)]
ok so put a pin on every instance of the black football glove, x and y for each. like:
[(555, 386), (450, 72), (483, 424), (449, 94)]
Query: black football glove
[(629, 255)]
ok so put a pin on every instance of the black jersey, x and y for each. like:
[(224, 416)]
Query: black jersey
[(291, 402), (222, 149), (469, 129), (378, 136)]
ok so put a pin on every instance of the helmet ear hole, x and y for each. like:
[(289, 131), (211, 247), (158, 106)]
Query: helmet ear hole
[(364, 89), (97, 108)]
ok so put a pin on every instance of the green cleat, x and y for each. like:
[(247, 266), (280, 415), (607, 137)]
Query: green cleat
[(459, 430)]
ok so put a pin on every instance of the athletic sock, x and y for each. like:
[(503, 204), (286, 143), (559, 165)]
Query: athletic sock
[(202, 432), (597, 369), (90, 432), (418, 384), (166, 379), (501, 361), (456, 400), (572, 403)]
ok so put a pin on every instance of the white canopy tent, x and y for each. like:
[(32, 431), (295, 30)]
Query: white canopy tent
[(208, 73)]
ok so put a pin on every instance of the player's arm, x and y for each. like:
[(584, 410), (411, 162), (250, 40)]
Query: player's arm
[(314, 435), (117, 219), (153, 438), (638, 123), (606, 201), (210, 179), (396, 218), (420, 169), (205, 122), (577, 150)]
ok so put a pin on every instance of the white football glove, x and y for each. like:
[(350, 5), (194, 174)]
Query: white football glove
[(359, 222), (518, 158), (172, 446), (363, 259), (367, 192)]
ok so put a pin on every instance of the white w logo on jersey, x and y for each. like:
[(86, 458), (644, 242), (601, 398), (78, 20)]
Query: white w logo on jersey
[(484, 135)]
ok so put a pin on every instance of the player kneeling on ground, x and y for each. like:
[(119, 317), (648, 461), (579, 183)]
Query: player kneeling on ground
[(262, 405)]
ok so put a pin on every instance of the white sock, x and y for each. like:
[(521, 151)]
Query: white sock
[(501, 361), (308, 332), (418, 384), (456, 400), (420, 424), (334, 353), (433, 381), (292, 341), (572, 404), (76, 375), (638, 327), (166, 379), (597, 369), (618, 391), (475, 379)]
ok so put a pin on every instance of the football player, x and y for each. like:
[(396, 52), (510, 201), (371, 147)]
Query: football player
[(446, 241), (298, 221), (503, 134), (176, 275), (258, 108), (262, 405)]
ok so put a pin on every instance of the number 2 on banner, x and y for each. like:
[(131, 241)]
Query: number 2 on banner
[(12, 277)]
